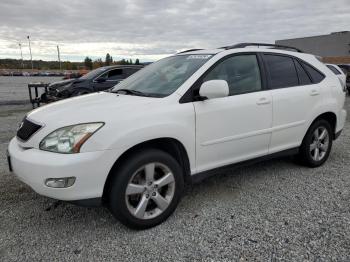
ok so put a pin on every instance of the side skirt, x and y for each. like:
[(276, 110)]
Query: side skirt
[(196, 178)]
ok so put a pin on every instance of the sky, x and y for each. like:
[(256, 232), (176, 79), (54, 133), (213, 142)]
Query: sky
[(152, 29)]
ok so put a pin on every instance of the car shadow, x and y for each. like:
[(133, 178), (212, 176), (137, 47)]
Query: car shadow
[(223, 184)]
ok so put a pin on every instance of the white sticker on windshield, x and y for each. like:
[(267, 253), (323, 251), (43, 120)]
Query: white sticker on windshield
[(198, 56)]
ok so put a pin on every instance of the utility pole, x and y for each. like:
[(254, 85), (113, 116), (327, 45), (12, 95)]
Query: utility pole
[(30, 51), (59, 57), (20, 48)]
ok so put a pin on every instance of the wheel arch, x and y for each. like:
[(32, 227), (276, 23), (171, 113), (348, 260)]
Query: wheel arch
[(169, 145), (330, 117)]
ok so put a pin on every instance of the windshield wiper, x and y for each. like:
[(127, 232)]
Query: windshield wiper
[(131, 92)]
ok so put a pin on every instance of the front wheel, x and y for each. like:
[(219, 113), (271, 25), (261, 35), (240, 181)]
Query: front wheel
[(317, 144), (146, 189)]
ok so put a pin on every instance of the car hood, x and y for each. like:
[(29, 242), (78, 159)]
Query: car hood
[(61, 83), (97, 107)]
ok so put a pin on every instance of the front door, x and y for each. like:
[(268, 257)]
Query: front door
[(237, 127)]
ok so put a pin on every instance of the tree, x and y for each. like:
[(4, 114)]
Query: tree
[(88, 63), (97, 63), (137, 61), (109, 59), (67, 65)]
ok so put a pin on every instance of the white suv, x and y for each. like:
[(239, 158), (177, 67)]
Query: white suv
[(177, 121)]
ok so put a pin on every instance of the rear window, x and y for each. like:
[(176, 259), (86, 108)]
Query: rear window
[(282, 72), (315, 75), (334, 70)]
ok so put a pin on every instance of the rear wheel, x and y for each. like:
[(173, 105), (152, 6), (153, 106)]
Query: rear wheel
[(316, 144), (146, 189)]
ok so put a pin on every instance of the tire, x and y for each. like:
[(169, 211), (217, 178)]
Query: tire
[(131, 190), (311, 145)]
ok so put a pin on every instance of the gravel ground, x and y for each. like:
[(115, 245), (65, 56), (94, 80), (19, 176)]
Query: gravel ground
[(274, 210), (15, 88)]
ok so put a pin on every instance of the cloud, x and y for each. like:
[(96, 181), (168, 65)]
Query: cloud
[(150, 29)]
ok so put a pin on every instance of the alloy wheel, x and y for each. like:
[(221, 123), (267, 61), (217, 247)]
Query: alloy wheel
[(150, 191), (319, 144)]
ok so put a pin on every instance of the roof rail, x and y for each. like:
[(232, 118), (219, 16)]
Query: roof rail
[(243, 45), (189, 50)]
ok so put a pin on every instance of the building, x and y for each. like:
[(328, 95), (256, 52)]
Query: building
[(333, 48)]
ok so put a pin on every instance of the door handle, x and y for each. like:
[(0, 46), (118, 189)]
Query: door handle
[(263, 101), (314, 92)]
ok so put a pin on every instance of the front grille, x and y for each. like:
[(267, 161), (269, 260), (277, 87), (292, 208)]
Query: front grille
[(27, 129)]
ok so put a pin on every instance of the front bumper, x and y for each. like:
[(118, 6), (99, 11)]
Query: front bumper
[(34, 166)]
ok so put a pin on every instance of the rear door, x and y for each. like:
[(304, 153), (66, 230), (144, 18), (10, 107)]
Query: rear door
[(295, 94)]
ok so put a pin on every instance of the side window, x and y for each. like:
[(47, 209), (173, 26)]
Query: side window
[(282, 72), (333, 69), (129, 71), (103, 76), (314, 74), (115, 74), (304, 79), (241, 72)]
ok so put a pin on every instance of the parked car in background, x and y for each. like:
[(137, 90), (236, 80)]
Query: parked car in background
[(96, 80), (177, 121), (346, 70), (339, 73)]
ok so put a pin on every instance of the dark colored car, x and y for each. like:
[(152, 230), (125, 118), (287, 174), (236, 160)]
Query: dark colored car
[(346, 70), (100, 79)]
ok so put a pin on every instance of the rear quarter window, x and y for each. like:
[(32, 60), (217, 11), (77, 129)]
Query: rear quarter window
[(334, 70), (304, 78), (315, 75)]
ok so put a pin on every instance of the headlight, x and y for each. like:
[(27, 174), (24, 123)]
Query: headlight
[(69, 139)]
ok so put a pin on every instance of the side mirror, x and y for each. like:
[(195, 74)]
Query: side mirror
[(214, 89)]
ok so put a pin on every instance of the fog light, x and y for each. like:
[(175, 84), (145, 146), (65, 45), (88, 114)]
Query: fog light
[(61, 182)]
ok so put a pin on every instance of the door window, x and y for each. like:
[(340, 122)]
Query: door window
[(129, 71), (241, 73), (282, 72), (115, 74)]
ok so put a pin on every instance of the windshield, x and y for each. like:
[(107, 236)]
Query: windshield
[(93, 73), (165, 76)]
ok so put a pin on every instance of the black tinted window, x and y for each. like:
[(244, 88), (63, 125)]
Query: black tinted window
[(333, 69), (130, 71), (282, 71), (315, 75), (241, 73), (115, 74), (304, 79)]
